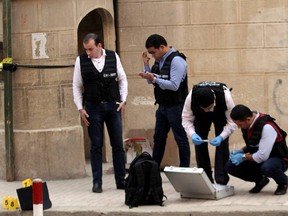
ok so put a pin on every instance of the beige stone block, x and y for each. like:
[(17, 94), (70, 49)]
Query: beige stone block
[(213, 62), (128, 10), (67, 44), (24, 16), (239, 36), (21, 47), (166, 13), (2, 108), (263, 10), (277, 89), (132, 63), (27, 77), (249, 90), (213, 12), (276, 35), (52, 15), (140, 108), (69, 114), (191, 37), (265, 60), (85, 7), (43, 107), (19, 108), (47, 153), (133, 39), (57, 75), (2, 154)]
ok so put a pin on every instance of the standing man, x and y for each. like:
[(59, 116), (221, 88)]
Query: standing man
[(100, 91), (265, 154), (169, 78), (210, 102)]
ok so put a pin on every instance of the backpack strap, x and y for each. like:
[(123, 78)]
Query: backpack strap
[(153, 183), (140, 184)]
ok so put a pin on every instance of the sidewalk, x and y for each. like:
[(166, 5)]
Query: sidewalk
[(74, 197)]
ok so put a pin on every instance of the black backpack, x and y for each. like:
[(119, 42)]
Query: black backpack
[(144, 182)]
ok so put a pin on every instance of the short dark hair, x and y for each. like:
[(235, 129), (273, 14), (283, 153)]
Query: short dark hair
[(93, 36), (205, 97), (155, 41), (240, 113)]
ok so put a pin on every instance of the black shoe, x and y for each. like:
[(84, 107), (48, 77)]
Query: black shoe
[(121, 186), (259, 186), (97, 188), (281, 189)]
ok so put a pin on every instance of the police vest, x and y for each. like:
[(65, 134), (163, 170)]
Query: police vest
[(100, 87), (252, 137), (168, 97), (219, 109)]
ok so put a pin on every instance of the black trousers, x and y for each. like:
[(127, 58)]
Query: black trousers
[(202, 127)]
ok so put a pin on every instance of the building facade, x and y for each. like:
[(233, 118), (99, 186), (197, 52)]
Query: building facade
[(242, 43)]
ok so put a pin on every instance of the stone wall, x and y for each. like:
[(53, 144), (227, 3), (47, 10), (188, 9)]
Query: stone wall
[(48, 136), (242, 43)]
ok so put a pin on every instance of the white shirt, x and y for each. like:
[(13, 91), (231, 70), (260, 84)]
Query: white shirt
[(188, 116), (268, 138), (99, 65)]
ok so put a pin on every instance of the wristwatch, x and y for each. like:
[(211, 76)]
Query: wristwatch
[(244, 157), (154, 80)]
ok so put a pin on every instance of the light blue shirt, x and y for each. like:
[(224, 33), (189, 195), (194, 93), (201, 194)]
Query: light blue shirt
[(178, 72)]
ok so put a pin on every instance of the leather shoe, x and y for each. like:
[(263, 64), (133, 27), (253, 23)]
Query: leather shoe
[(281, 189), (97, 188), (260, 185), (121, 186)]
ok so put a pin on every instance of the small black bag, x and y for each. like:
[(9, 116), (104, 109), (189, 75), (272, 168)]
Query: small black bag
[(25, 197), (144, 182)]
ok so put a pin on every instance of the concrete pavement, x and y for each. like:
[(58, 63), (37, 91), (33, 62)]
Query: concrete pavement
[(74, 197)]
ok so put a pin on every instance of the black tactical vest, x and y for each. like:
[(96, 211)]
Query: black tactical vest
[(219, 109), (100, 87), (252, 142), (168, 97)]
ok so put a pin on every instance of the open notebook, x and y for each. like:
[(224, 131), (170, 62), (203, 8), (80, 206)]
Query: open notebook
[(194, 183)]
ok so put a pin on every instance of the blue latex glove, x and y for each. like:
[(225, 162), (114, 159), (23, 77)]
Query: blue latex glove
[(196, 139), (236, 158), (236, 152), (216, 141)]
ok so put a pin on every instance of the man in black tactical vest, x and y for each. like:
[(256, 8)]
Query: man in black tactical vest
[(265, 154), (169, 78), (100, 74), (209, 102)]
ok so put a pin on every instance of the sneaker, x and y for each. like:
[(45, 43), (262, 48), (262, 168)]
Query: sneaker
[(260, 185), (281, 189)]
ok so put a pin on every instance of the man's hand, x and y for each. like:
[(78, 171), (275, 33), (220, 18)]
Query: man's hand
[(121, 106), (236, 158), (216, 141), (196, 139), (84, 117), (145, 58), (147, 75)]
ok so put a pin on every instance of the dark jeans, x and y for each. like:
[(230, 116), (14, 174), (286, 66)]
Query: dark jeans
[(98, 114), (170, 117), (253, 172), (202, 128)]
